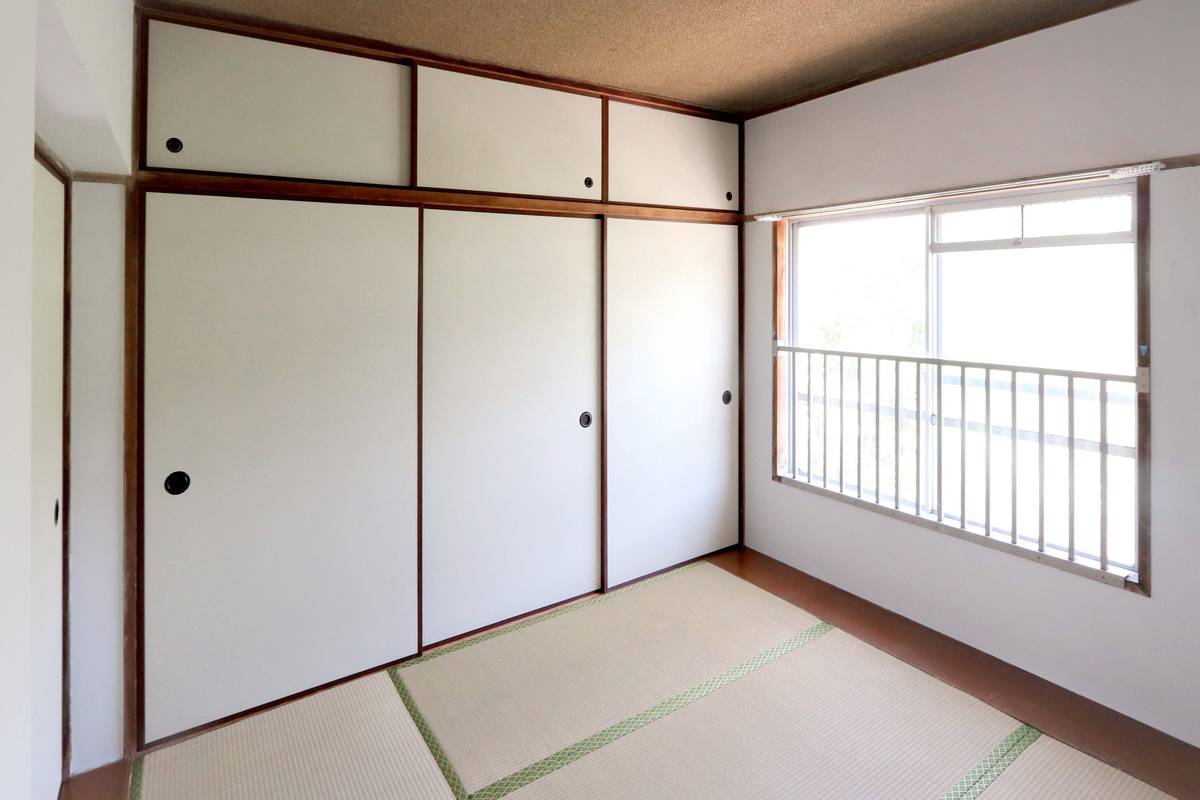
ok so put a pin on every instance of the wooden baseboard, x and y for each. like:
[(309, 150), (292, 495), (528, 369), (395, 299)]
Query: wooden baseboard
[(1150, 755)]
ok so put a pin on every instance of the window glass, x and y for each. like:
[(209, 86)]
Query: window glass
[(860, 284), (1081, 215), (979, 224), (1058, 307)]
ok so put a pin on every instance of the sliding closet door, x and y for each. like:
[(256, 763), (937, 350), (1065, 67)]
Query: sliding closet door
[(672, 393), (46, 473), (280, 449), (511, 465)]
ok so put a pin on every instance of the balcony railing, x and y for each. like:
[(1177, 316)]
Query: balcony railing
[(1042, 462)]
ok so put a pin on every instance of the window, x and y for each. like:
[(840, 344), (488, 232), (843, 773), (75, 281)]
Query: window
[(974, 365)]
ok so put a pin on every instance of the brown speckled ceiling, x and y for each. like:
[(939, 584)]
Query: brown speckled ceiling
[(723, 54)]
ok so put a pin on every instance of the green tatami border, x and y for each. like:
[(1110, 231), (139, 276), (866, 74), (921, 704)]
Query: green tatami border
[(984, 773), (572, 753)]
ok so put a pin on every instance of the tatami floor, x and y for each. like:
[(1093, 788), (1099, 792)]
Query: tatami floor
[(694, 683)]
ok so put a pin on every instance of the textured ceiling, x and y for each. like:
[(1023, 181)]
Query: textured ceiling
[(723, 54)]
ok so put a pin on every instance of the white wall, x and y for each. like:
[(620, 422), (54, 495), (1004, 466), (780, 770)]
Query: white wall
[(1116, 87), (97, 464), (85, 82), (17, 22), (1070, 97)]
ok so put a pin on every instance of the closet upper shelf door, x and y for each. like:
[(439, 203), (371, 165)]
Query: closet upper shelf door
[(670, 159), (226, 103), (492, 135)]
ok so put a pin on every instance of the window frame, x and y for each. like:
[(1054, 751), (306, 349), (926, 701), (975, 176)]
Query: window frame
[(784, 331)]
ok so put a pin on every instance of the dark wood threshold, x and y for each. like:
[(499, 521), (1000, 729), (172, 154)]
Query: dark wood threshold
[(110, 782), (1150, 755)]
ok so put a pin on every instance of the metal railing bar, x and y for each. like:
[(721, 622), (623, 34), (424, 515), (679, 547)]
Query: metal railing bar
[(1013, 432), (896, 460), (794, 434), (1095, 376), (878, 481), (1103, 475), (987, 452), (917, 426), (842, 423), (809, 415), (1041, 463), (940, 423), (825, 420), (962, 441), (858, 430), (1071, 468)]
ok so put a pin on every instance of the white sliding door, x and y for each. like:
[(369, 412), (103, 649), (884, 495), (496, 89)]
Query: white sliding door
[(511, 361), (49, 242), (280, 377), (672, 430)]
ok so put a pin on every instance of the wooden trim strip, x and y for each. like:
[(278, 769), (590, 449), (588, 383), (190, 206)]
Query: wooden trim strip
[(741, 339), (101, 177), (1150, 755), (420, 429), (779, 376), (603, 404), (1144, 354), (412, 126), (1051, 21), (604, 149), (245, 25), (284, 189), (133, 411)]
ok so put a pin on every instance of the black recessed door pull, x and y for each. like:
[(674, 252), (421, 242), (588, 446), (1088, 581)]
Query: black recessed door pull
[(177, 482), (174, 144), (729, 195), (585, 419), (56, 511), (587, 182), (727, 398)]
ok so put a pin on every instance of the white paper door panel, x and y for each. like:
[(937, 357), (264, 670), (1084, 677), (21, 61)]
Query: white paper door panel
[(672, 353), (46, 472), (499, 136), (240, 104), (511, 359), (280, 375), (664, 158)]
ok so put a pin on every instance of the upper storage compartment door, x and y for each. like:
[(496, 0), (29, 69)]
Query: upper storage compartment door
[(226, 103), (490, 135), (669, 159)]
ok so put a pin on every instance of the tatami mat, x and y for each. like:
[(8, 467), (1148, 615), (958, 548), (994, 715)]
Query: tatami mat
[(693, 684), (508, 701), (1050, 770), (351, 742), (834, 719)]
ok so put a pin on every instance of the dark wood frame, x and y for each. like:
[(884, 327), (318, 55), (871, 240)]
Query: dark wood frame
[(203, 182), (1141, 195), (43, 155)]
